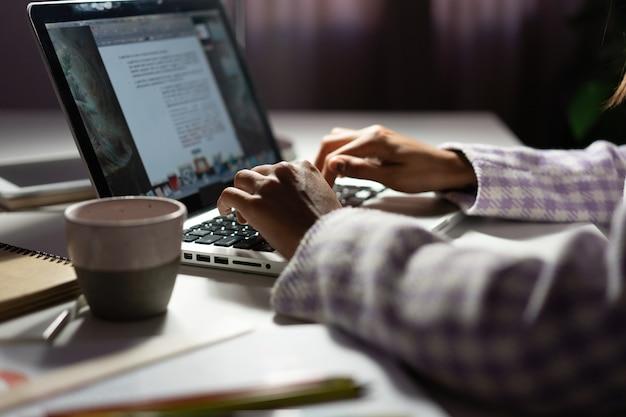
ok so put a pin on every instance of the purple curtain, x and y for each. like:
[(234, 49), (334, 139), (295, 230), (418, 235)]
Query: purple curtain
[(514, 57), (297, 48), (492, 48)]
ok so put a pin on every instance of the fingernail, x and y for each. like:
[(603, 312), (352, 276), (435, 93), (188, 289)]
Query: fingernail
[(341, 167)]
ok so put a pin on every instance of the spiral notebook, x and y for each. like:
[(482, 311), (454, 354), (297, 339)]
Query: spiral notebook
[(31, 280)]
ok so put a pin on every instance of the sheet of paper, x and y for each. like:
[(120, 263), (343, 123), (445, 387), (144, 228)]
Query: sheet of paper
[(105, 361)]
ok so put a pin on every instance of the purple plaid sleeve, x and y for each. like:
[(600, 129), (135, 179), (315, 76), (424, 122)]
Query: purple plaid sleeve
[(529, 184), (533, 335)]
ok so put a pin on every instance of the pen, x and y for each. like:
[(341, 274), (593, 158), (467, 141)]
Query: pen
[(58, 324), (260, 398)]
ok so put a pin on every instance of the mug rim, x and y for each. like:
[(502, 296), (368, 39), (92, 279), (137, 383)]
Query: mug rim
[(70, 212)]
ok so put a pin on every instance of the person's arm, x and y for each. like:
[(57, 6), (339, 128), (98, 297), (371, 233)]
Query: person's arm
[(516, 183), (545, 185), (522, 332)]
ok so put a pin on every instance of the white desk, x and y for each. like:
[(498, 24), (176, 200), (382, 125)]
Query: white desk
[(203, 295)]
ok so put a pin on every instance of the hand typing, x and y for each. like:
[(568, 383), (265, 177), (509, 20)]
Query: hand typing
[(399, 162), (281, 201)]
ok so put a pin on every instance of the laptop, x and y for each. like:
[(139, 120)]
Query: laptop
[(160, 103)]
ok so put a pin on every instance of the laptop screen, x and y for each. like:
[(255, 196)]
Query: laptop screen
[(165, 103)]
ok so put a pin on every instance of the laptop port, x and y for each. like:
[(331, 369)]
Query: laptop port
[(220, 260), (204, 258), (244, 263), (188, 256)]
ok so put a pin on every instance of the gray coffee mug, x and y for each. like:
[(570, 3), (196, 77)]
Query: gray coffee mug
[(126, 253)]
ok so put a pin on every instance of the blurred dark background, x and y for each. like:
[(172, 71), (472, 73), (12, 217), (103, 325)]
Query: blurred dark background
[(546, 67)]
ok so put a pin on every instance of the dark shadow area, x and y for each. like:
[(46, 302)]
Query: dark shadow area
[(250, 296), (52, 357), (231, 277), (70, 355), (239, 288), (92, 329), (283, 320), (33, 332)]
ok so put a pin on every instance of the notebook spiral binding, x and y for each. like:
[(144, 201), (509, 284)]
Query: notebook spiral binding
[(5, 247)]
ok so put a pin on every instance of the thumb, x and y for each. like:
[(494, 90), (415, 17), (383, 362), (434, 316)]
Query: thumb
[(350, 166)]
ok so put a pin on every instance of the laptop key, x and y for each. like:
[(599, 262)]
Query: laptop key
[(352, 202), (247, 233), (190, 238), (364, 194), (263, 247), (208, 240), (227, 241), (223, 232), (248, 243), (200, 232), (349, 195), (231, 226)]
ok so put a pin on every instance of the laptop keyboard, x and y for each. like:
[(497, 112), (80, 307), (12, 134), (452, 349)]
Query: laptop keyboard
[(353, 196), (224, 231)]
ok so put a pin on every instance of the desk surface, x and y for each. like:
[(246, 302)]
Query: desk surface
[(278, 346)]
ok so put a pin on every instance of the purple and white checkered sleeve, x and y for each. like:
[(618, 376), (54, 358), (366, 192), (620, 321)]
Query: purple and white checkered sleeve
[(532, 335), (553, 185)]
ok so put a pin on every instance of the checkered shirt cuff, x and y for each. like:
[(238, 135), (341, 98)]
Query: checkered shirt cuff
[(544, 185)]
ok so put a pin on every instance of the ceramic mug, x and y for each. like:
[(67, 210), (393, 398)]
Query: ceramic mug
[(126, 253)]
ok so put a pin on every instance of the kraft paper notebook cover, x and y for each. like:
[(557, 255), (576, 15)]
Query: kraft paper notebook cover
[(32, 280)]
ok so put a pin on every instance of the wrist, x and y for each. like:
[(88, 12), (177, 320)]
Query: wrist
[(459, 171)]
